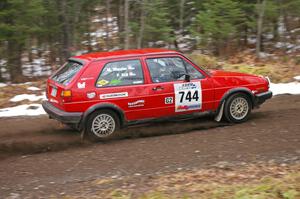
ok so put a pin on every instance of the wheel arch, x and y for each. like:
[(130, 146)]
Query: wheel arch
[(237, 90), (102, 106)]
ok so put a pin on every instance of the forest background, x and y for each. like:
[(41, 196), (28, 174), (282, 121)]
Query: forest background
[(256, 36)]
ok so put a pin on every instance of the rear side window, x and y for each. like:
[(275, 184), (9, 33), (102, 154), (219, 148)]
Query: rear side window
[(67, 72), (121, 73)]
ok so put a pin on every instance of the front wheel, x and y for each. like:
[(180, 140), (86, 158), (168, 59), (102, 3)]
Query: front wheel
[(237, 108), (102, 125)]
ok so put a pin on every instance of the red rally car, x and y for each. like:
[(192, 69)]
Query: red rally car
[(98, 93)]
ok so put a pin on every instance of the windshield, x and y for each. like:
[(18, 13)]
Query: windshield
[(67, 72)]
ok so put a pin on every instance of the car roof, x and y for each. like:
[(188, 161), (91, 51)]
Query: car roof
[(123, 53)]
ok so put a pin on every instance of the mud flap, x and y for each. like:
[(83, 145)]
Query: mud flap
[(220, 113), (83, 135)]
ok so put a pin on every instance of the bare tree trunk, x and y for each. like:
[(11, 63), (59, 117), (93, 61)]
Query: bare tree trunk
[(1, 66), (107, 39), (245, 36), (88, 27), (2, 56), (142, 25), (29, 45), (65, 29), (261, 13), (126, 13), (1, 78), (121, 21), (29, 51), (181, 15), (14, 63), (52, 56), (73, 20)]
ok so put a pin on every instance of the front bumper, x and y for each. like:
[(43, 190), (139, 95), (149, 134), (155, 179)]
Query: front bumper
[(60, 115), (262, 97)]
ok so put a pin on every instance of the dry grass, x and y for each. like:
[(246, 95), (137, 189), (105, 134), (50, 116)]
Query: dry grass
[(244, 182), (11, 90), (278, 68)]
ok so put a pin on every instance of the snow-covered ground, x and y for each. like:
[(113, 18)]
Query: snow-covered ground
[(22, 110), (32, 88), (2, 85), (297, 78), (292, 88), (25, 109), (36, 68), (30, 97)]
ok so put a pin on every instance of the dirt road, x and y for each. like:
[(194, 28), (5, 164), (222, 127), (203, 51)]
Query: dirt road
[(41, 158)]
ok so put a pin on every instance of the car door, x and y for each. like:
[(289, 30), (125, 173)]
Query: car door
[(170, 93), (121, 82)]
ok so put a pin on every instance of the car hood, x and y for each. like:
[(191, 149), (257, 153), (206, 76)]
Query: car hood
[(222, 73)]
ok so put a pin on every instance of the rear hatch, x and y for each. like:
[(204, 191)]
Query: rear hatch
[(61, 82)]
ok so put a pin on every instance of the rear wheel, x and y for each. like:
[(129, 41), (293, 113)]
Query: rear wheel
[(237, 108), (102, 125)]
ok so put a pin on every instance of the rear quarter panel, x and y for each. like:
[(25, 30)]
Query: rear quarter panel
[(84, 83)]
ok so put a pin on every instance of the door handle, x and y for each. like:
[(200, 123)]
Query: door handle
[(158, 88)]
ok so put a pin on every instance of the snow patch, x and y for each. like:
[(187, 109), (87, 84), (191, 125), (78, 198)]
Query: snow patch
[(30, 97), (21, 84), (32, 88), (297, 78), (23, 110), (2, 85), (37, 67), (251, 40), (264, 55), (292, 88)]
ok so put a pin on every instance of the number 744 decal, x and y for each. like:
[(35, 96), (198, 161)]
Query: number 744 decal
[(188, 96)]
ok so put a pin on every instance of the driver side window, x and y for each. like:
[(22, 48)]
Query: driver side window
[(167, 69)]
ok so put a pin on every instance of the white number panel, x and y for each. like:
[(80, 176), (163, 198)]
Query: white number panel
[(188, 96)]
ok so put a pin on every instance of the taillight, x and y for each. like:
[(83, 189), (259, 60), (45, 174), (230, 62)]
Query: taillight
[(66, 95)]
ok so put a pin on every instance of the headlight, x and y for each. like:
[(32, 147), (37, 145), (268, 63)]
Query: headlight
[(268, 79)]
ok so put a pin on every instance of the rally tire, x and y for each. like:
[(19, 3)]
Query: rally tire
[(237, 108), (102, 125)]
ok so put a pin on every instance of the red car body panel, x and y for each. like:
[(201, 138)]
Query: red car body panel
[(215, 85)]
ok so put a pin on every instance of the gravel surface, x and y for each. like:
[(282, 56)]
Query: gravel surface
[(40, 158)]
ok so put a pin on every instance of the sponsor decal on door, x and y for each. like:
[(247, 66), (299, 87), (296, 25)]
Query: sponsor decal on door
[(138, 103), (188, 96), (113, 95)]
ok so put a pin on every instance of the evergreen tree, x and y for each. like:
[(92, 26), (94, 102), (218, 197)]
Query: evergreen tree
[(157, 22), (19, 20), (155, 25), (62, 27), (218, 22)]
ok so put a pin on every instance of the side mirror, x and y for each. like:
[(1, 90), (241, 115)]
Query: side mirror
[(187, 77)]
